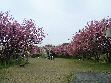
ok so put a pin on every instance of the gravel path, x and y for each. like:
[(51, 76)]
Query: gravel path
[(91, 77)]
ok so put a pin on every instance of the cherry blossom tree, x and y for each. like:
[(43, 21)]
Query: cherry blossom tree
[(16, 37), (90, 41)]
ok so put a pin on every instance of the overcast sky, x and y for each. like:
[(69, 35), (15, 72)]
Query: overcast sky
[(60, 19)]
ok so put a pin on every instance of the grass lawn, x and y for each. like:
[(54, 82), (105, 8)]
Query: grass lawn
[(46, 71)]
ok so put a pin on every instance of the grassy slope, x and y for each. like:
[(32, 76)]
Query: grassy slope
[(47, 71)]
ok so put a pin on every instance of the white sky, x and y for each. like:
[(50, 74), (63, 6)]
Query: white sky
[(60, 19)]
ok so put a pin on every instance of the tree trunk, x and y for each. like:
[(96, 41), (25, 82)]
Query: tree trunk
[(2, 59), (97, 58), (109, 57)]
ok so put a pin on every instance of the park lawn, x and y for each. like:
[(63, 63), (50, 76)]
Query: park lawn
[(46, 71)]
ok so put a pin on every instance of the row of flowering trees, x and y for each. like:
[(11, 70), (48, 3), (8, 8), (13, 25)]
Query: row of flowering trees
[(16, 38), (90, 41)]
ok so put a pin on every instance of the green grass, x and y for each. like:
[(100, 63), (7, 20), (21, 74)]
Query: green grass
[(10, 64), (3, 67), (46, 71)]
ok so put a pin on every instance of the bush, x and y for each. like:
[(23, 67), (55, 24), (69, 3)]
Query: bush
[(92, 58)]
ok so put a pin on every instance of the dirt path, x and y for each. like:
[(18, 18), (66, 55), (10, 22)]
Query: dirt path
[(92, 77)]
